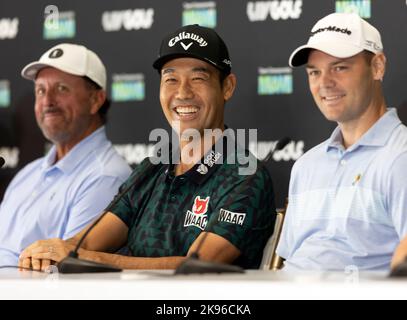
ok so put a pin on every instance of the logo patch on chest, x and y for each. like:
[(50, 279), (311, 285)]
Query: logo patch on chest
[(197, 217)]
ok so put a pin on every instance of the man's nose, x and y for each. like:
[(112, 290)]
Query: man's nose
[(326, 80), (185, 90)]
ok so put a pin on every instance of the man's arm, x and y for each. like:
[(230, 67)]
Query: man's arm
[(89, 202), (400, 255), (397, 202), (109, 235), (214, 248)]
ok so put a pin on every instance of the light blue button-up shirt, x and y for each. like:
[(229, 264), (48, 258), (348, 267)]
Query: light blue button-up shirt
[(348, 207), (57, 200)]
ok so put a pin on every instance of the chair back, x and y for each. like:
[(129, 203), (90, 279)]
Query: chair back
[(271, 261)]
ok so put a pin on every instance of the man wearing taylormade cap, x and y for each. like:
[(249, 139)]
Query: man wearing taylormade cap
[(348, 195), (59, 194), (163, 219)]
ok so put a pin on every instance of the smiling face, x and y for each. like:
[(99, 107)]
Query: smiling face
[(191, 94), (343, 89), (64, 106)]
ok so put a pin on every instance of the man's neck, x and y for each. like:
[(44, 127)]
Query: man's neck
[(63, 148), (352, 131), (193, 151)]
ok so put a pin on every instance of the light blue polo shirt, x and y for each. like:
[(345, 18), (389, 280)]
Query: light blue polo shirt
[(348, 207), (47, 200)]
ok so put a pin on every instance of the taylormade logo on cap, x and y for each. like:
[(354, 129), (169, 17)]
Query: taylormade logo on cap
[(341, 35), (331, 28), (186, 35)]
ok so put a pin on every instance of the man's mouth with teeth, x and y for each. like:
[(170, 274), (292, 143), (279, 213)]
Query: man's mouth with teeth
[(333, 97), (186, 110)]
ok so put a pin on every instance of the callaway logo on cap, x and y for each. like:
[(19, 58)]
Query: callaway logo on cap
[(70, 58), (196, 42), (341, 35)]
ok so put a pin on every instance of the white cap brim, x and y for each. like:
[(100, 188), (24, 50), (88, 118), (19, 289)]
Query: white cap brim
[(31, 70), (70, 58), (337, 49)]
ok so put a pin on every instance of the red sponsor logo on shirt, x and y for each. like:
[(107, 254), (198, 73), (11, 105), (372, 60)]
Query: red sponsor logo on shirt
[(200, 205)]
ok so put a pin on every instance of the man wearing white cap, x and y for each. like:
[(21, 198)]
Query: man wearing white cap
[(61, 193), (348, 195)]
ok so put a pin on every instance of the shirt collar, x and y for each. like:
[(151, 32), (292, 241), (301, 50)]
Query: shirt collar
[(376, 136), (210, 162), (76, 154)]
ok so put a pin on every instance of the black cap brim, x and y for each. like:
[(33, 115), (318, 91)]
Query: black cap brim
[(161, 61)]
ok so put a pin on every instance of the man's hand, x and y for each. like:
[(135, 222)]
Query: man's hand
[(400, 254), (42, 253)]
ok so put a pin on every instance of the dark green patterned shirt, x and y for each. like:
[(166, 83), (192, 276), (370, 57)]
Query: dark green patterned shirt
[(167, 212)]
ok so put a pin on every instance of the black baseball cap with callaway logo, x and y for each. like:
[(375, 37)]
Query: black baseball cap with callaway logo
[(197, 42)]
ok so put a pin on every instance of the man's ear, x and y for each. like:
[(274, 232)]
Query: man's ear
[(98, 97), (378, 66), (229, 85)]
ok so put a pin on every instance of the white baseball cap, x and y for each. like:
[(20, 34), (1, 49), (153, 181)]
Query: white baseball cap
[(70, 58), (341, 35)]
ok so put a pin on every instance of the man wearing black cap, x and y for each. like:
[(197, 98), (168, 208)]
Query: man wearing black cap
[(348, 195), (202, 192)]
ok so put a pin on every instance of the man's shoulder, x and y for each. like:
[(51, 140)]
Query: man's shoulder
[(145, 167), (312, 155), (26, 173), (393, 153), (242, 165), (109, 162), (398, 139), (30, 167)]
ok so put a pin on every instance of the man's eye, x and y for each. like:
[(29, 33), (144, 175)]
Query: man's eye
[(313, 73), (39, 91), (340, 68), (62, 88)]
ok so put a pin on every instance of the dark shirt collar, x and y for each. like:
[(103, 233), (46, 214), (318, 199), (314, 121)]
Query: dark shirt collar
[(210, 162)]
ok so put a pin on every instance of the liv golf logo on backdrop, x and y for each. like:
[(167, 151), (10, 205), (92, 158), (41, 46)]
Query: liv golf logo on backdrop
[(361, 7), (276, 10), (273, 81), (58, 25), (4, 93), (291, 152), (131, 19), (135, 153), (128, 87), (202, 13), (8, 28)]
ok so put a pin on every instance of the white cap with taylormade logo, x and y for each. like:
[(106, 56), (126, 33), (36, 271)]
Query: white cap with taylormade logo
[(70, 58), (341, 35)]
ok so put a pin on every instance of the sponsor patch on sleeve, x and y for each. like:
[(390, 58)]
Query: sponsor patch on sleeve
[(231, 217)]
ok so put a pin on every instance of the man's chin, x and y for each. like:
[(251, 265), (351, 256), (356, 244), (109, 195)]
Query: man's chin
[(331, 115), (54, 136), (332, 118)]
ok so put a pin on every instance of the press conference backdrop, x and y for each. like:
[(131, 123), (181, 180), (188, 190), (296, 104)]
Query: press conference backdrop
[(270, 97)]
